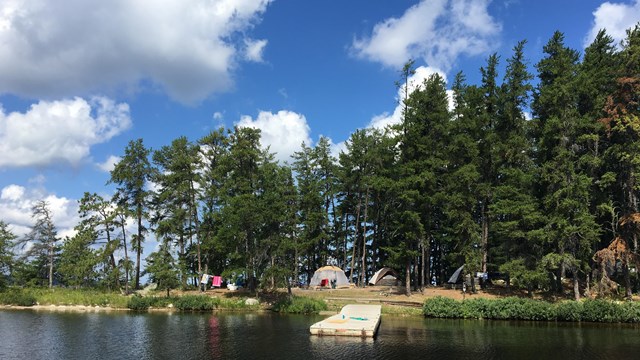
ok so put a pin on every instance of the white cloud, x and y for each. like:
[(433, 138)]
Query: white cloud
[(109, 164), (218, 116), (338, 148), (615, 18), (416, 80), (283, 131), (438, 31), (53, 49), (59, 131), (254, 49), (15, 209)]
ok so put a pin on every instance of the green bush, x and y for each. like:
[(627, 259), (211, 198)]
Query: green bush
[(195, 303), (17, 297), (137, 302), (442, 307), (529, 309), (300, 305), (602, 311), (631, 312), (569, 311)]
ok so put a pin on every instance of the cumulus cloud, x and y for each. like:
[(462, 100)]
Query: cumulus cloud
[(59, 131), (615, 18), (52, 49), (254, 49), (15, 209), (109, 164), (415, 81), (283, 131), (438, 31)]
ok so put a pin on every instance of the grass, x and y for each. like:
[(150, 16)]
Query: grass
[(300, 305), (62, 296)]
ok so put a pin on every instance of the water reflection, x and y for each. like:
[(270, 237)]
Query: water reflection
[(38, 335)]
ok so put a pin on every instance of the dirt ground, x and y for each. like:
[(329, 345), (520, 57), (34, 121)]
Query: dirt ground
[(375, 293), (386, 294)]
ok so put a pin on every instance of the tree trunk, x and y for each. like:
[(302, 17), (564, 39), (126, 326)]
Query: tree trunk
[(407, 281), (51, 265), (355, 241), (363, 275), (138, 246), (627, 281), (576, 286), (485, 235), (112, 258), (126, 256)]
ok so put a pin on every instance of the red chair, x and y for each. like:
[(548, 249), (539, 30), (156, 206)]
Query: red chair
[(324, 282)]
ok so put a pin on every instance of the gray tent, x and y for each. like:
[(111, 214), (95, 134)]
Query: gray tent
[(384, 277), (456, 277), (329, 274)]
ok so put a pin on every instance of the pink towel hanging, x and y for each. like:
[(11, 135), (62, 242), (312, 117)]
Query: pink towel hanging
[(217, 281)]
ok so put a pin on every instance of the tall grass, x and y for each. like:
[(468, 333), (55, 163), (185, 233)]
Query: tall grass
[(61, 296)]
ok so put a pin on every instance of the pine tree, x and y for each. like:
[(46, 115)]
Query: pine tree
[(6, 254), (131, 174), (162, 269), (98, 216), (570, 226), (78, 261), (42, 241), (175, 202), (622, 126)]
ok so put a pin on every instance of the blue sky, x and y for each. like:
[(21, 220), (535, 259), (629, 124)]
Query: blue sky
[(79, 80)]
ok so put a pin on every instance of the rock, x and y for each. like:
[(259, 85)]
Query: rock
[(251, 301)]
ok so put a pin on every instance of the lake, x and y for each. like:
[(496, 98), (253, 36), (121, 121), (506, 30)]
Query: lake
[(27, 334)]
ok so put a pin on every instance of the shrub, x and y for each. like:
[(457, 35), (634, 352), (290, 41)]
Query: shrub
[(631, 312), (300, 305), (442, 307), (569, 311), (602, 311), (137, 302), (17, 297), (477, 309), (195, 303)]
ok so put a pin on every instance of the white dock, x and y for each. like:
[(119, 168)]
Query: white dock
[(353, 320)]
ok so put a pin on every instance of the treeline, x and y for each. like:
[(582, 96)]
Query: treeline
[(479, 183)]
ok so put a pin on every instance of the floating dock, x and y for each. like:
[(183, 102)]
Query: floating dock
[(353, 320)]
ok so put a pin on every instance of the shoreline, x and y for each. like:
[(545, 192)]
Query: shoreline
[(65, 308)]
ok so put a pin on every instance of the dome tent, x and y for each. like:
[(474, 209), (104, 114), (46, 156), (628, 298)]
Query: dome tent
[(384, 277), (329, 274)]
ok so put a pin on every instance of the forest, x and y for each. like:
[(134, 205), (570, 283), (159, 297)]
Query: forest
[(532, 177)]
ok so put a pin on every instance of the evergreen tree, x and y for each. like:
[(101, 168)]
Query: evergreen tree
[(622, 126), (98, 216), (213, 150), (41, 243), (175, 203), (131, 174), (78, 261), (515, 212), (162, 269), (6, 255), (570, 228)]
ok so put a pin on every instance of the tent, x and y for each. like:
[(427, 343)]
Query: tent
[(456, 277), (327, 275), (384, 277)]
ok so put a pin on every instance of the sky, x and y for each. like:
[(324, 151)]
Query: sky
[(80, 79)]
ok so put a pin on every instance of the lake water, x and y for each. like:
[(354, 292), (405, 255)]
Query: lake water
[(52, 335)]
